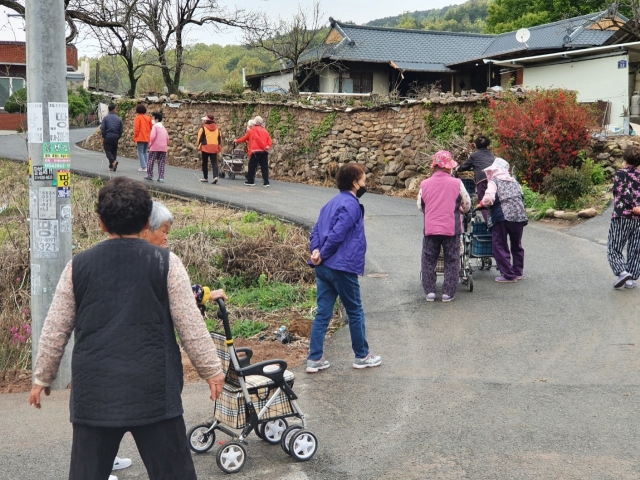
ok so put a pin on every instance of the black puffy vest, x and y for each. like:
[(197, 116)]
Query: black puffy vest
[(126, 364)]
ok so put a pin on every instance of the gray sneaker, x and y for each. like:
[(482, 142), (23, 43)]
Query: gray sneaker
[(621, 280), (630, 284), (370, 360), (314, 365)]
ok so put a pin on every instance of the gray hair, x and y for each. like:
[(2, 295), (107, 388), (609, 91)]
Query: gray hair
[(159, 216), (258, 120)]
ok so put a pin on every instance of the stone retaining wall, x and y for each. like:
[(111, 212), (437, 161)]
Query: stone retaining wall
[(311, 142)]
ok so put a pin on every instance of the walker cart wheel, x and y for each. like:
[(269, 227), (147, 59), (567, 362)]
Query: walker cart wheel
[(486, 263), (286, 437), (271, 432), (303, 445), (200, 439), (232, 176), (231, 457), (221, 174), (470, 284)]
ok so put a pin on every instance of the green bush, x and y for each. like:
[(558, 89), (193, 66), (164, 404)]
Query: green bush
[(567, 185), (17, 103), (234, 86), (596, 171), (77, 106)]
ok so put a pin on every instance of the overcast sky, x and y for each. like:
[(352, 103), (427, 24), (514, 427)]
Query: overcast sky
[(358, 11)]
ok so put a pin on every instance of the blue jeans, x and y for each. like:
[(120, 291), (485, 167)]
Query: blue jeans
[(143, 153), (331, 284)]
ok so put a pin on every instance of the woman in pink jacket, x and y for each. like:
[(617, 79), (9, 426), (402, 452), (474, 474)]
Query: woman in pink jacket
[(442, 198), (158, 144)]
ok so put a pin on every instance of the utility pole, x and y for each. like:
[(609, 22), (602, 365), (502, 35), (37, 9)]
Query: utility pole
[(49, 168)]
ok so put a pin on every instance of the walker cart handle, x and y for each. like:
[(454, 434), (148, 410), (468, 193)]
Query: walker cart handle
[(477, 209), (224, 316)]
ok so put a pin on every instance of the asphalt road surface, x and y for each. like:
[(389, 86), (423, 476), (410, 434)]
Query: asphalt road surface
[(534, 380)]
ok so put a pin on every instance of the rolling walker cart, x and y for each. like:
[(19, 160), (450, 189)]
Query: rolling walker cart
[(233, 163), (480, 239), (256, 398)]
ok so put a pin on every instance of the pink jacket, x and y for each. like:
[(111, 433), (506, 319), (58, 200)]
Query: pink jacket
[(159, 140), (442, 198)]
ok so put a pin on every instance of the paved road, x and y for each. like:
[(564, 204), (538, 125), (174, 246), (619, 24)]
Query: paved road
[(534, 380)]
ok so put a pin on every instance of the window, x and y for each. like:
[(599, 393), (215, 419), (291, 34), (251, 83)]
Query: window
[(362, 82), (8, 86)]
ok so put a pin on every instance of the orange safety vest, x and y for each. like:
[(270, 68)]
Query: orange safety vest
[(209, 140)]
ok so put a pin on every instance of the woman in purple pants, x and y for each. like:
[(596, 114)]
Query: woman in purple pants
[(507, 219)]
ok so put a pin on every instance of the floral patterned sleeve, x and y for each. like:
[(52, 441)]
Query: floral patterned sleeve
[(187, 319), (56, 331)]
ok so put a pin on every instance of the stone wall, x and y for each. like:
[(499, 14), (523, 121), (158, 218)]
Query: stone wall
[(311, 142)]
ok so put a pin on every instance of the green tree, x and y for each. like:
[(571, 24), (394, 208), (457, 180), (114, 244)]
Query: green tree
[(407, 21), (509, 15)]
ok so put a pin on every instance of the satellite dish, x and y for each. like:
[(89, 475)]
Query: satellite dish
[(523, 35)]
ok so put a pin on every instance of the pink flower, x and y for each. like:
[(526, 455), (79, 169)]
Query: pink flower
[(15, 340), (15, 335), (18, 280), (26, 311), (14, 329), (22, 339)]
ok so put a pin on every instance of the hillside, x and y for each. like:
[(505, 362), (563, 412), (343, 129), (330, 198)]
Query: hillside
[(466, 17)]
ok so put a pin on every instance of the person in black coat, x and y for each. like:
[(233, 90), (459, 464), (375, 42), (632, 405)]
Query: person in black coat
[(111, 130), (478, 161)]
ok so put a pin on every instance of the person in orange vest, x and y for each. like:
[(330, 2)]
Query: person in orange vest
[(247, 137), (210, 144), (141, 135), (260, 145)]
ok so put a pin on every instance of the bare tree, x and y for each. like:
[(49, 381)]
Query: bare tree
[(124, 37), (73, 15), (297, 43), (168, 21)]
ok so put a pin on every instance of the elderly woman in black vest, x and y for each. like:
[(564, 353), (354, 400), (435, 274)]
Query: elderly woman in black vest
[(123, 299)]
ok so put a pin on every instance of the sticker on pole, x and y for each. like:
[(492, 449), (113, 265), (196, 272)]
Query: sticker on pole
[(40, 174), (47, 203), (56, 156), (58, 122), (35, 128), (65, 218), (46, 239)]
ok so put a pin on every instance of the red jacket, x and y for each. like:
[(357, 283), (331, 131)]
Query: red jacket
[(260, 139), (246, 138)]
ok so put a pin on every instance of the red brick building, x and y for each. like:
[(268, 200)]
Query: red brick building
[(13, 73)]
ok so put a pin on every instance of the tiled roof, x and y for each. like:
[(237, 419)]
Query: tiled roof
[(550, 36), (432, 51), (429, 48)]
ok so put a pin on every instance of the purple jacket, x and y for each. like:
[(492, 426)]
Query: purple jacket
[(339, 234)]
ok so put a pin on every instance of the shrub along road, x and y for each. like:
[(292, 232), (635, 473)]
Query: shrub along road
[(537, 379)]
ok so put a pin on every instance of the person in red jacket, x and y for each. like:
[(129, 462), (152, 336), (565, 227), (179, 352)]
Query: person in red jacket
[(210, 144), (260, 144), (141, 135), (247, 137)]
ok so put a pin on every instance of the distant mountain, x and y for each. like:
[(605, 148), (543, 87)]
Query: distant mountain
[(466, 17)]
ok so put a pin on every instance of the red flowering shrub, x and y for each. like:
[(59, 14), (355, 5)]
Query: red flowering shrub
[(543, 130)]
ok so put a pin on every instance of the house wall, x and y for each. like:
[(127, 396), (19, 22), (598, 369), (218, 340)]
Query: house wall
[(13, 121), (595, 79), (277, 82), (328, 79), (16, 52)]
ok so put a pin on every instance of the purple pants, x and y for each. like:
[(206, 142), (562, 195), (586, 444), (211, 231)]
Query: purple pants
[(504, 233), (481, 189), (161, 158), (430, 252)]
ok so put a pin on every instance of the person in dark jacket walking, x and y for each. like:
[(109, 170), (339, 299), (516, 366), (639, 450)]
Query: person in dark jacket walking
[(210, 144), (337, 248), (478, 161), (111, 129), (125, 299)]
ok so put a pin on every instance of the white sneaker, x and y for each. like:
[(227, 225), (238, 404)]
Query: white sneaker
[(113, 477), (120, 463)]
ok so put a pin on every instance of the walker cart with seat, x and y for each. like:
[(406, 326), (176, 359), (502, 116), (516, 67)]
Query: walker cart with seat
[(255, 398), (233, 163)]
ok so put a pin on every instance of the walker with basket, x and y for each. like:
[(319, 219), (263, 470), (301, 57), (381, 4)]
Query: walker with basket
[(256, 398), (233, 163)]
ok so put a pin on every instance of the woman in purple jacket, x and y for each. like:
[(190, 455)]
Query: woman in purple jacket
[(442, 198), (337, 248)]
